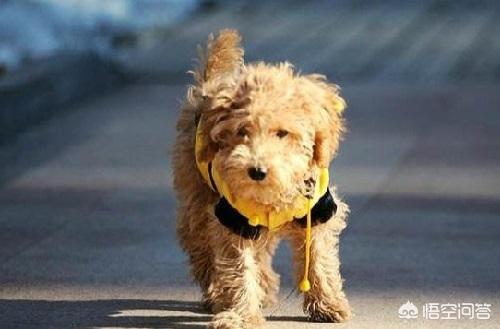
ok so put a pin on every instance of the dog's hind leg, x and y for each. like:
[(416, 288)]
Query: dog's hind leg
[(236, 290), (197, 246), (325, 301)]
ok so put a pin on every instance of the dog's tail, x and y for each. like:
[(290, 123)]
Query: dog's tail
[(223, 57)]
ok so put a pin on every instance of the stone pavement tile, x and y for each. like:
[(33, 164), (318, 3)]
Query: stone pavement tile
[(416, 42), (459, 156), (384, 123), (438, 248), (175, 55), (461, 30)]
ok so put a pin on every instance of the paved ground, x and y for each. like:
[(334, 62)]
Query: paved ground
[(426, 42), (87, 209)]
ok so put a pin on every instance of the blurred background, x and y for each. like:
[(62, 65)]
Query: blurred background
[(89, 95)]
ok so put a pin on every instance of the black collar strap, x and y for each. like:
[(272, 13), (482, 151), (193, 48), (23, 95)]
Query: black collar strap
[(322, 211), (234, 221)]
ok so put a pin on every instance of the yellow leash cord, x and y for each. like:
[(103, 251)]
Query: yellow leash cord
[(305, 285)]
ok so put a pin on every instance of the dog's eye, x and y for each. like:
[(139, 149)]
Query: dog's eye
[(281, 133), (242, 132)]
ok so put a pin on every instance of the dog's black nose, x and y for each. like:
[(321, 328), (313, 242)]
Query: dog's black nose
[(257, 173)]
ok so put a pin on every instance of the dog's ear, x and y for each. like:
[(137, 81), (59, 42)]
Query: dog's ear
[(328, 120)]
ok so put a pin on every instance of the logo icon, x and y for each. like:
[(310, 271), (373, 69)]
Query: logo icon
[(408, 311)]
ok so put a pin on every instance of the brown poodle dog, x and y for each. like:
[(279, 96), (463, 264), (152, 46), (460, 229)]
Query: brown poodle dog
[(265, 132)]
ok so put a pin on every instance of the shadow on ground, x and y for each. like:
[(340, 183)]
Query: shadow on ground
[(123, 313), (126, 313)]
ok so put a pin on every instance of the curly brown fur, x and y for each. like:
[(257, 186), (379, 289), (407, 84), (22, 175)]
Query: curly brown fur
[(270, 117)]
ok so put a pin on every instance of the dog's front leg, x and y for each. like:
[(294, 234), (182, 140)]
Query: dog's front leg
[(325, 301), (235, 290)]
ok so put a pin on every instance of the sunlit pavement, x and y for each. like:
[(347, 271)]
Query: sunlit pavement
[(87, 211)]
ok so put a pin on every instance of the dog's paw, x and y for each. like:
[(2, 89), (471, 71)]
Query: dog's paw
[(226, 320), (232, 320), (321, 311), (270, 282), (269, 300)]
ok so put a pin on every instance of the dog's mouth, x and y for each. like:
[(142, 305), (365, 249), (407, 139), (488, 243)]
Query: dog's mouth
[(266, 195), (264, 187), (275, 195)]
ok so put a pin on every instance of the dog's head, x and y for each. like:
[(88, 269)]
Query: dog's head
[(268, 128)]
